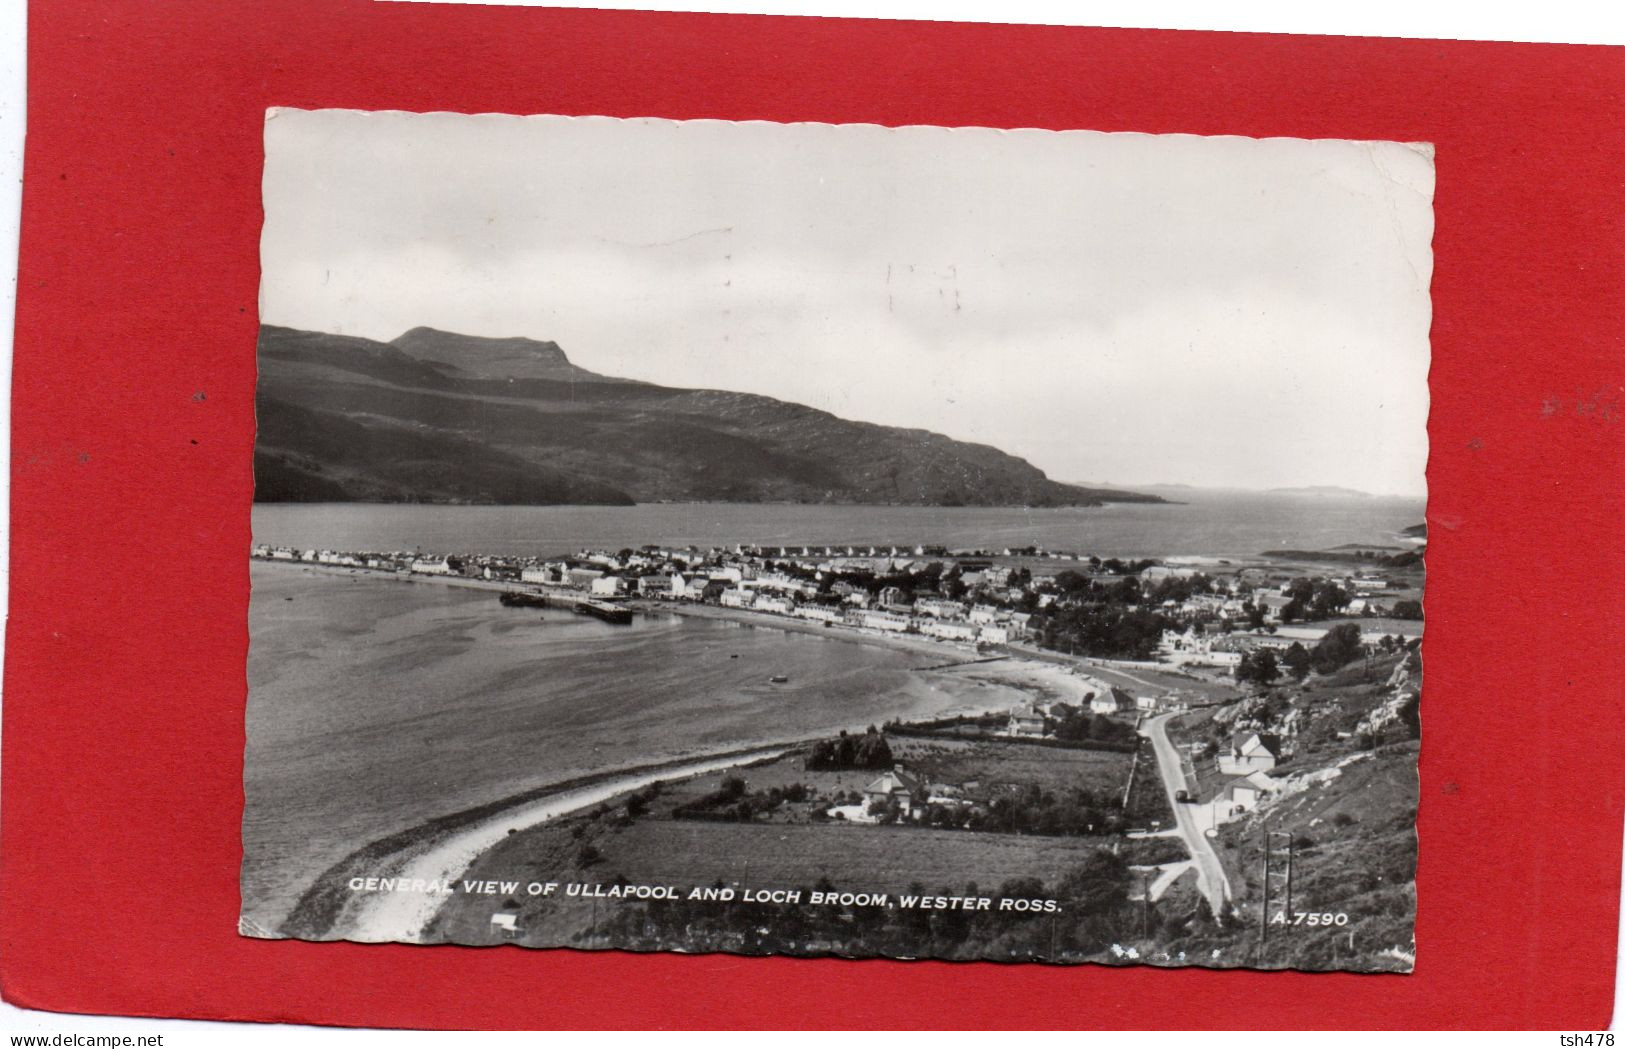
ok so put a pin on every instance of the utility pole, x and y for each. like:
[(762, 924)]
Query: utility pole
[(1277, 864), (1145, 897), (1264, 903), (1289, 911)]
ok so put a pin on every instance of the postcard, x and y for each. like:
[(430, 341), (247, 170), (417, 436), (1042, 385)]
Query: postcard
[(809, 539)]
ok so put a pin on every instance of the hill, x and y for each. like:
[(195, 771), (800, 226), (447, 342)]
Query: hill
[(445, 418), (1346, 795)]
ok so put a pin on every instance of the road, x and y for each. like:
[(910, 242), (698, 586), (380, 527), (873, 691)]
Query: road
[(1210, 877)]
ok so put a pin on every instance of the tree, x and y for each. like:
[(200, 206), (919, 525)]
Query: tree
[(1258, 666), (1071, 582), (1296, 661), (1329, 599), (1073, 727), (1338, 648), (1407, 610)]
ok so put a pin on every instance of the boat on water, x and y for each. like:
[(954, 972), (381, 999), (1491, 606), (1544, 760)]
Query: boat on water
[(778, 679)]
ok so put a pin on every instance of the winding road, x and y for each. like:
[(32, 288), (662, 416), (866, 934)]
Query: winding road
[(1210, 876)]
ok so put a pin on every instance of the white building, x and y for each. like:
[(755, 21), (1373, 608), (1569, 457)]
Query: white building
[(582, 577), (888, 621), (1025, 720), (424, 567), (948, 631), (1249, 752), (608, 586), (1245, 794), (1111, 700)]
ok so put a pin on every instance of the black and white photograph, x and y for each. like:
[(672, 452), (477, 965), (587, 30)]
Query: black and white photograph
[(838, 540)]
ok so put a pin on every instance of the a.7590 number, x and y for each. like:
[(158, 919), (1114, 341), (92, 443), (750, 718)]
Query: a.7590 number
[(1310, 918)]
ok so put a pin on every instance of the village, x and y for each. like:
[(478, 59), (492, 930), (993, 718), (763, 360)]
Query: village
[(1204, 618), (1130, 737)]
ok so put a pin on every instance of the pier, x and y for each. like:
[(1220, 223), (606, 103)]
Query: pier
[(586, 606)]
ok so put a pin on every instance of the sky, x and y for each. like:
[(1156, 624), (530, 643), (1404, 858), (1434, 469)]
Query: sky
[(1124, 308)]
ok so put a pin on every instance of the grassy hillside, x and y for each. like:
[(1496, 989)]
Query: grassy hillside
[(514, 420), (1347, 800)]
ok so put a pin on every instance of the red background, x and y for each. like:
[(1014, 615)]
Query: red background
[(133, 430)]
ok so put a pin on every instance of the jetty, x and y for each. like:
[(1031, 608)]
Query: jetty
[(586, 606), (617, 614)]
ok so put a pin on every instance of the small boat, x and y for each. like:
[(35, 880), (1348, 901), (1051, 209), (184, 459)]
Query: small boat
[(734, 656), (778, 679)]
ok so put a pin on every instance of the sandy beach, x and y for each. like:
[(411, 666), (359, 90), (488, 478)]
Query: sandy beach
[(401, 916)]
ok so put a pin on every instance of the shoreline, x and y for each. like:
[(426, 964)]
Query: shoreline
[(912, 644), (401, 917), (445, 847)]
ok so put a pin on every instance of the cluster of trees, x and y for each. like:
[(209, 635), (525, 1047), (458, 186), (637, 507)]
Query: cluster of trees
[(1310, 599), (639, 801), (1092, 912), (1109, 631), (1037, 811), (728, 794), (1260, 667), (1341, 646), (868, 751), (1081, 725), (934, 578), (730, 802)]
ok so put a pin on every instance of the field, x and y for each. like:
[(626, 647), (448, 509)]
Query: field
[(789, 844), (992, 765), (689, 853)]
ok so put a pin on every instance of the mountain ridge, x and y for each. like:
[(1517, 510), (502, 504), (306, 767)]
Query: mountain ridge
[(439, 417)]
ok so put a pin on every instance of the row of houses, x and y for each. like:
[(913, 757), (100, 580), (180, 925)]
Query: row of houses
[(399, 562), (878, 619), (1224, 650)]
